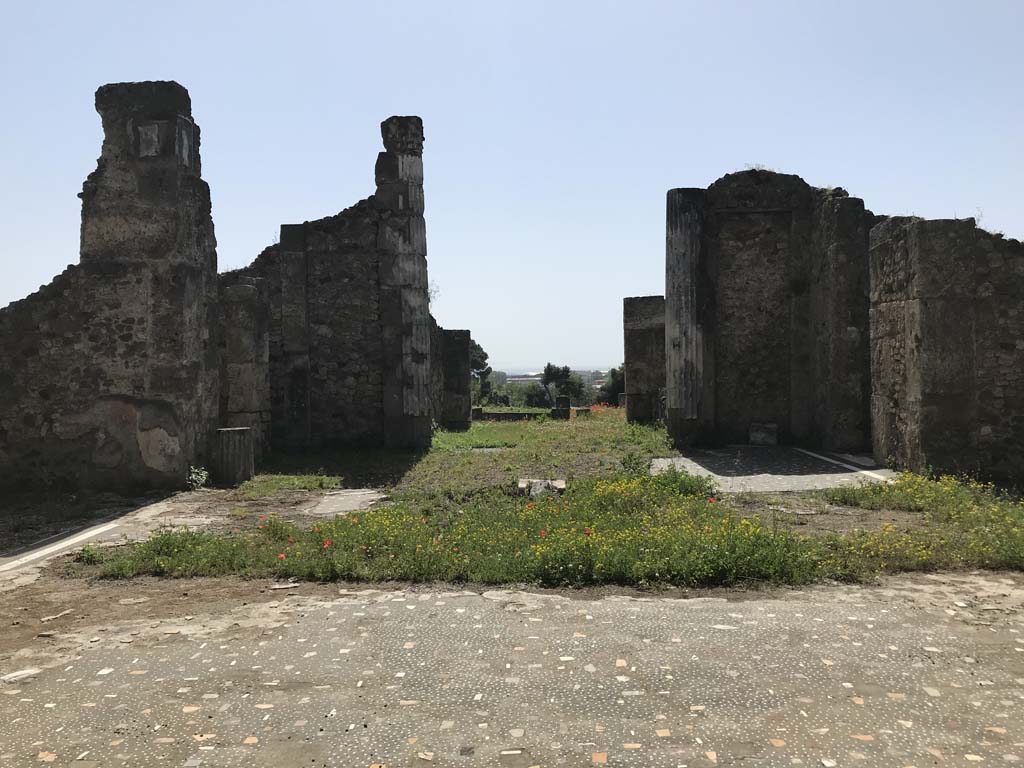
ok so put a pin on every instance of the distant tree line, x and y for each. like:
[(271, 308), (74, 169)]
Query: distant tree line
[(493, 388)]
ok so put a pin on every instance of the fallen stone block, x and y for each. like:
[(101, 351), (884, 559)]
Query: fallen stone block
[(535, 488)]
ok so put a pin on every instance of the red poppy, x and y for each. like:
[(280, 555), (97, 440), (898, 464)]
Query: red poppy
[(281, 556), (327, 543), (263, 519), (587, 531), (543, 533), (711, 500)]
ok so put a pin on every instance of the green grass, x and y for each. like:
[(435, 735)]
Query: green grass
[(626, 529), (266, 485), (598, 445), (453, 517)]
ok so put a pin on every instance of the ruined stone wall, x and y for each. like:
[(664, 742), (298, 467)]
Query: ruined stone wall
[(947, 347), (110, 373), (350, 330), (450, 377), (766, 307), (245, 358), (457, 406), (436, 370), (643, 320)]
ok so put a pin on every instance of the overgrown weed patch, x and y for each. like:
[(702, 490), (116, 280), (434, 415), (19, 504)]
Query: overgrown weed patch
[(627, 529)]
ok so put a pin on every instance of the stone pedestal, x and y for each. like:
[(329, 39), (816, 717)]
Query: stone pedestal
[(561, 411), (233, 453)]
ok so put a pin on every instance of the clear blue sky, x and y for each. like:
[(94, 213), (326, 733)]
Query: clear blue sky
[(553, 129)]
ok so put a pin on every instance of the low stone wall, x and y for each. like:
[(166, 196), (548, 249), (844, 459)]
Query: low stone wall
[(512, 415)]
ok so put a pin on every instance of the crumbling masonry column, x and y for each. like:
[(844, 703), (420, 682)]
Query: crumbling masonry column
[(404, 310), (685, 406)]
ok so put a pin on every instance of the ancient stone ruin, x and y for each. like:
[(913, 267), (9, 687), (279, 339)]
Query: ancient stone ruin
[(110, 374), (643, 321), (765, 312), (351, 357), (947, 347), (119, 372), (794, 314)]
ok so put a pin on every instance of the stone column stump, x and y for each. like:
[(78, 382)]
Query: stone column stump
[(233, 456), (561, 409)]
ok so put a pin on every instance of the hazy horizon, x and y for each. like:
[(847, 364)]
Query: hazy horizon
[(552, 130)]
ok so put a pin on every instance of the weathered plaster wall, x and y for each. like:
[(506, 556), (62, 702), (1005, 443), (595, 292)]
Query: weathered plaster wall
[(643, 321), (766, 312), (110, 373), (947, 347)]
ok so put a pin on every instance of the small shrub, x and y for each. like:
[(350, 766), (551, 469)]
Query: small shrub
[(197, 478), (89, 554), (634, 463)]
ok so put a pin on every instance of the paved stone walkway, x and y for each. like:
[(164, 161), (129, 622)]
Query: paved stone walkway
[(920, 672), (774, 468)]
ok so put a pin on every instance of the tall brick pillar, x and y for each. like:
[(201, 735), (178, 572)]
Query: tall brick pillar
[(685, 404), (405, 314)]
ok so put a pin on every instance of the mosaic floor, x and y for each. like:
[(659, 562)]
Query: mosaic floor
[(925, 672)]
